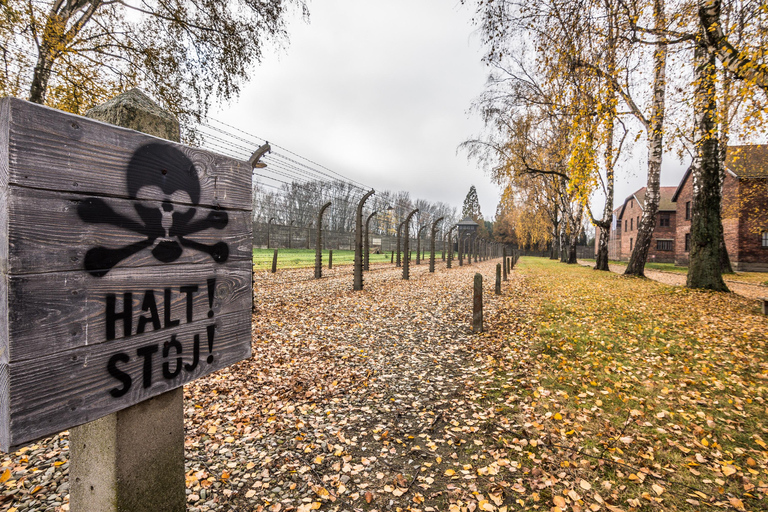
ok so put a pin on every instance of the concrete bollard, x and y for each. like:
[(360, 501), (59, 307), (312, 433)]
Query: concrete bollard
[(392, 257), (330, 259), (274, 262), (132, 459), (477, 305), (498, 279), (504, 260)]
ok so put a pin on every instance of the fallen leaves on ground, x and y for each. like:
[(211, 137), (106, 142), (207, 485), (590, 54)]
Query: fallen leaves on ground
[(588, 391)]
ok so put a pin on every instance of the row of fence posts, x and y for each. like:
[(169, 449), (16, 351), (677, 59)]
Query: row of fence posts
[(469, 245), (508, 263)]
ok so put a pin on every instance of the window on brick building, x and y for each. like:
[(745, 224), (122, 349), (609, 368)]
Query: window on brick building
[(687, 210), (664, 245), (664, 220), (687, 242), (638, 222), (625, 224), (630, 244), (764, 239), (631, 224)]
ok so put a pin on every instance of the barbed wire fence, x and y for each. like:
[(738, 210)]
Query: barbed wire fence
[(289, 190)]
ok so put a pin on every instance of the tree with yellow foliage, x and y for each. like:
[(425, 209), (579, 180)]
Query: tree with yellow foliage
[(74, 54)]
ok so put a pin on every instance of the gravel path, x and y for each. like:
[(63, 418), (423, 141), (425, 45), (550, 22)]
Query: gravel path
[(748, 290)]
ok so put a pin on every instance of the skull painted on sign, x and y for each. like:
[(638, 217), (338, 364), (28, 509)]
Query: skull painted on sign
[(164, 184)]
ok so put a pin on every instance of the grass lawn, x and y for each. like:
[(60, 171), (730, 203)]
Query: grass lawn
[(657, 395), (299, 258)]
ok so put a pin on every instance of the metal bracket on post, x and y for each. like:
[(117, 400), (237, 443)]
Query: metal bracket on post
[(319, 245), (358, 278), (432, 245), (406, 245)]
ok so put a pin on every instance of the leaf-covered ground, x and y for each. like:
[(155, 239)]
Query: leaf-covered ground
[(588, 391)]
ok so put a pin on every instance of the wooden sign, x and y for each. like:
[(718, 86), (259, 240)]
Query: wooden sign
[(125, 268)]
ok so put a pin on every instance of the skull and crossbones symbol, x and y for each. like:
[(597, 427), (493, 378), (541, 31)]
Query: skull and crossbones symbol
[(155, 170)]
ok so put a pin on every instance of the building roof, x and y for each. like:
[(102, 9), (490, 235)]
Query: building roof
[(742, 162), (748, 161), (467, 221), (665, 200)]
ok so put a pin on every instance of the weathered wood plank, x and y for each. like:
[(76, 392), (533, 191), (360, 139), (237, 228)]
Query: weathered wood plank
[(61, 311), (48, 233), (85, 390), (117, 251), (53, 150), (4, 340)]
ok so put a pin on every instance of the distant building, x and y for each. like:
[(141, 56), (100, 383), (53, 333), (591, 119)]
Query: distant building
[(626, 220), (744, 209), (467, 227)]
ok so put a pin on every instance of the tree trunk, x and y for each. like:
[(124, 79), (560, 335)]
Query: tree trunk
[(575, 232), (601, 261), (655, 133), (706, 227), (41, 76)]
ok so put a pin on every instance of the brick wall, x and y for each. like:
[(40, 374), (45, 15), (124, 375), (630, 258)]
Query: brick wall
[(683, 224), (753, 209), (663, 233)]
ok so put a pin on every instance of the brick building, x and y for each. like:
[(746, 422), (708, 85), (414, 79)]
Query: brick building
[(626, 219), (744, 209)]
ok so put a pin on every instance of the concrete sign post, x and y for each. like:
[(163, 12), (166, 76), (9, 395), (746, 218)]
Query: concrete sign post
[(126, 273)]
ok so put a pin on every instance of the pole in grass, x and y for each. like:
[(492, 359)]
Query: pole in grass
[(274, 262), (498, 279)]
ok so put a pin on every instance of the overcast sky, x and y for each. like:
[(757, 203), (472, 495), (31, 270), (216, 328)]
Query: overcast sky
[(379, 91)]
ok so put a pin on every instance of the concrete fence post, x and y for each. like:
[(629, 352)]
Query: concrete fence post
[(367, 247), (406, 245), (290, 233), (418, 244), (132, 459), (432, 245), (269, 229), (450, 246), (358, 278), (498, 279), (274, 262), (477, 305), (504, 260), (399, 233), (330, 259), (319, 242)]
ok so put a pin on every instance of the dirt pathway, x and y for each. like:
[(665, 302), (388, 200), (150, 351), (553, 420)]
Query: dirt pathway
[(748, 290)]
